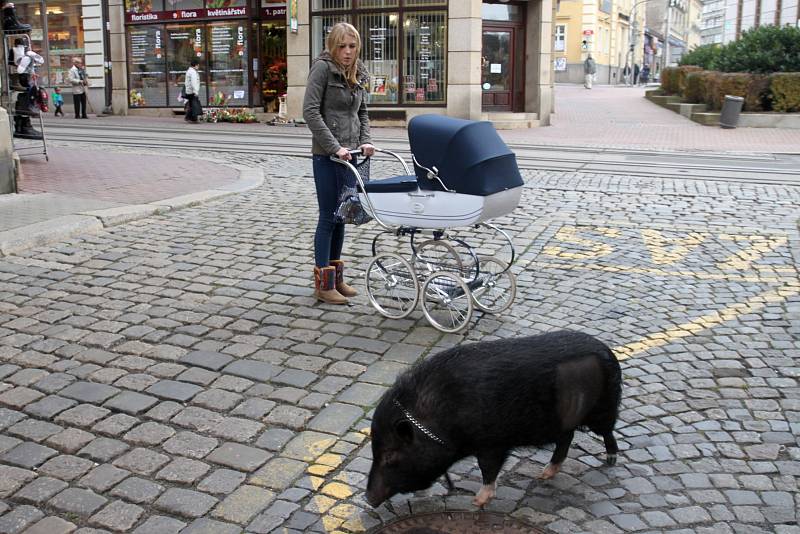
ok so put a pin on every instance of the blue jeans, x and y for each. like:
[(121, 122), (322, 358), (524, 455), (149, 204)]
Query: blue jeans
[(329, 237)]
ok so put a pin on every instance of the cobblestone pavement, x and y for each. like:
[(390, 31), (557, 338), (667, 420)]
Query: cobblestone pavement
[(174, 374)]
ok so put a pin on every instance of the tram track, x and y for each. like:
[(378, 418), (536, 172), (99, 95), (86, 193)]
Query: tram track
[(765, 169)]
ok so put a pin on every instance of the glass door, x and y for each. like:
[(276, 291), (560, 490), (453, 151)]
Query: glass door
[(497, 69)]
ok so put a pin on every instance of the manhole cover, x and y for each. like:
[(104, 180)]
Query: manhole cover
[(457, 523)]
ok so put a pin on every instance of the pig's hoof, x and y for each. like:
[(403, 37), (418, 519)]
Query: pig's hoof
[(611, 459), (486, 494), (550, 471)]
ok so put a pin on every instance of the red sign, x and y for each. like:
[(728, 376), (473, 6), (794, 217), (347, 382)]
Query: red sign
[(588, 32), (420, 94), (188, 14)]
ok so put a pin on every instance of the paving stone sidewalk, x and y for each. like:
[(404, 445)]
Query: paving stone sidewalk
[(75, 180), (174, 374)]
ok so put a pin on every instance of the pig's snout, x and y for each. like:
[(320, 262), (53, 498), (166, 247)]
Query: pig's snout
[(376, 491), (374, 500)]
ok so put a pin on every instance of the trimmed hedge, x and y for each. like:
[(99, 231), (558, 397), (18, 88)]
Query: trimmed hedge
[(761, 92), (785, 89)]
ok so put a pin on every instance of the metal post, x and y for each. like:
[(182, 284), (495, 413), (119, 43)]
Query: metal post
[(665, 59)]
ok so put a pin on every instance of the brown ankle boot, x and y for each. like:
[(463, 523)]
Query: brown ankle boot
[(341, 287), (325, 286)]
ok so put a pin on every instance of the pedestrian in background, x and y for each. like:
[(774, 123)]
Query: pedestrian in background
[(192, 90), (335, 110), (635, 74), (644, 76), (58, 101), (79, 81), (589, 70)]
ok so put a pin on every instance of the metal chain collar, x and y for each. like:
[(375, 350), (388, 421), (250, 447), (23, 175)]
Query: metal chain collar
[(420, 426)]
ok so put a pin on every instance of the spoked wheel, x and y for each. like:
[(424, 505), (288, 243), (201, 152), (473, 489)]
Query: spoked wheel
[(446, 301), (392, 286), (436, 255), (496, 286)]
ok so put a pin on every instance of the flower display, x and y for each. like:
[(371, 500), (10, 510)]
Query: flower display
[(239, 115)]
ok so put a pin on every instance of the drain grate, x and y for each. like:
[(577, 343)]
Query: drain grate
[(457, 523)]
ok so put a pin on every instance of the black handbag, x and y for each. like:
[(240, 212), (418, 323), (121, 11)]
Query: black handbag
[(350, 210)]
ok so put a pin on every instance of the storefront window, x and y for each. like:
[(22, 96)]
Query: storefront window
[(419, 75), (378, 3), (184, 43), (330, 5), (31, 13), (143, 6), (148, 80), (425, 3), (65, 37), (379, 36), (227, 63), (274, 72), (424, 73), (320, 28)]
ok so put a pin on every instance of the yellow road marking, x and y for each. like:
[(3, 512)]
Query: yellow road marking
[(707, 321), (790, 272), (669, 250)]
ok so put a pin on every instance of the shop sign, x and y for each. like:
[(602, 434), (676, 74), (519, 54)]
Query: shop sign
[(186, 14), (273, 12)]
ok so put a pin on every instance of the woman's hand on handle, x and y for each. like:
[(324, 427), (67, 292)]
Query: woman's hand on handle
[(344, 154), (367, 149)]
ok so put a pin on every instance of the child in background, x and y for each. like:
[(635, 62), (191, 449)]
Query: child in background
[(58, 101)]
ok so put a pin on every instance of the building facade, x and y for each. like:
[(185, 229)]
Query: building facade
[(610, 30), (465, 58), (62, 30), (741, 15), (673, 28), (713, 21)]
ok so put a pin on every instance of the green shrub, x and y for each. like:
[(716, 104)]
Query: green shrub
[(785, 91), (703, 56), (765, 49)]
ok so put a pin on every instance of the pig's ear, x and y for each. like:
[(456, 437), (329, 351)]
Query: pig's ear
[(404, 430)]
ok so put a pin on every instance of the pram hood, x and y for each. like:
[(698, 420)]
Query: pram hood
[(469, 155)]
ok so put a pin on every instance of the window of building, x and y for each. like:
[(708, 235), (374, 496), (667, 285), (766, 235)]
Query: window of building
[(63, 41), (185, 42), (403, 45), (560, 43), (147, 66), (380, 42), (227, 67)]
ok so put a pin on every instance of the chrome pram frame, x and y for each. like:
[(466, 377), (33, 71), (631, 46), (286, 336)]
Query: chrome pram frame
[(445, 275)]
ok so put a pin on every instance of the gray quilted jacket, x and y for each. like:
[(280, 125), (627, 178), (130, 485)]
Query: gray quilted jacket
[(335, 113)]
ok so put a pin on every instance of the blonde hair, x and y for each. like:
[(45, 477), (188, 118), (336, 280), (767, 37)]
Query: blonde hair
[(335, 38)]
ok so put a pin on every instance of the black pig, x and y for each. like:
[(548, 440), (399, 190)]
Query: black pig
[(487, 398)]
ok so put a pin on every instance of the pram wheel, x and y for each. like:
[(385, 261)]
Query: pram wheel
[(437, 255), (495, 288), (446, 301), (392, 286)]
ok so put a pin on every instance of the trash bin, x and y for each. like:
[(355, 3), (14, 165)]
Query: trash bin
[(731, 109)]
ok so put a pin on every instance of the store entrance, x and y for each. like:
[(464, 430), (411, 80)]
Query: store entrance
[(272, 73), (503, 57)]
